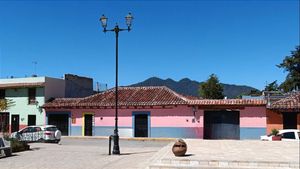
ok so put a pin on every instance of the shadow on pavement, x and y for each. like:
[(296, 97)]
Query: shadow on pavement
[(144, 152), (34, 149), (13, 155)]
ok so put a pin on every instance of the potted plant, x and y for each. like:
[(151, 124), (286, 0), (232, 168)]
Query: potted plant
[(275, 136)]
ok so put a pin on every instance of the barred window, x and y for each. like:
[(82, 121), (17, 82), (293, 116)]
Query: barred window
[(31, 96)]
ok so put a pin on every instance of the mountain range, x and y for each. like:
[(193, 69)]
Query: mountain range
[(189, 87)]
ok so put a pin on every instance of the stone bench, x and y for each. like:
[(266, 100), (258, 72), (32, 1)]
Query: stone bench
[(5, 148)]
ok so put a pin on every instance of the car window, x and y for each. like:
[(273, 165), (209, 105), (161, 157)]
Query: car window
[(288, 135), (24, 130), (31, 129), (37, 129), (51, 129)]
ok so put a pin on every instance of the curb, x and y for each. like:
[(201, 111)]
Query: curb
[(121, 138)]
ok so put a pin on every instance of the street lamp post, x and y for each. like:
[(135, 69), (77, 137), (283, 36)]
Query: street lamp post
[(103, 19)]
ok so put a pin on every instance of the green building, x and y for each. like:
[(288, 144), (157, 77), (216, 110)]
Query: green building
[(27, 95)]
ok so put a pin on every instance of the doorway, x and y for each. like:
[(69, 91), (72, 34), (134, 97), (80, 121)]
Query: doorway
[(289, 120), (61, 121), (88, 124), (4, 122), (141, 125), (15, 123), (221, 125)]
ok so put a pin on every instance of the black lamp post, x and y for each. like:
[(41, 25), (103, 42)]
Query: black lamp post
[(103, 19)]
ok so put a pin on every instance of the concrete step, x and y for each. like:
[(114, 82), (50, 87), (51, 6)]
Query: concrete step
[(216, 164), (210, 167)]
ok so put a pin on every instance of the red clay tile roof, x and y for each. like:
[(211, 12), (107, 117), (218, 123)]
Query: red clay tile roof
[(218, 102), (291, 102), (21, 85), (144, 96), (62, 102)]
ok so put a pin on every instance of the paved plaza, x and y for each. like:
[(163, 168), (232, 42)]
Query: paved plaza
[(83, 153), (92, 153), (231, 154)]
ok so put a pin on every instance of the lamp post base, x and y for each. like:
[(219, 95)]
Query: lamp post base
[(116, 148)]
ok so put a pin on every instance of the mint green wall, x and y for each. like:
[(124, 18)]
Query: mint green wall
[(20, 106)]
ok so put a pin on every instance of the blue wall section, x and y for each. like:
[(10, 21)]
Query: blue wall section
[(108, 130), (173, 132), (252, 132), (98, 130), (76, 131)]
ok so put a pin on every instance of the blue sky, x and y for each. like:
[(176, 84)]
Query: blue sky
[(240, 41)]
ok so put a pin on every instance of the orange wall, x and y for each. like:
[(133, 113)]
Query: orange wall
[(274, 121)]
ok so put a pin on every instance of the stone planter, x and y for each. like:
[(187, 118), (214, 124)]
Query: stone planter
[(179, 148)]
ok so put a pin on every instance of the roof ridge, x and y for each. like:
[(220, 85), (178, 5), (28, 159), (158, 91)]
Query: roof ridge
[(176, 94)]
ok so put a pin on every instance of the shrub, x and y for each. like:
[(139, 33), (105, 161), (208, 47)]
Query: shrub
[(274, 132), (17, 145)]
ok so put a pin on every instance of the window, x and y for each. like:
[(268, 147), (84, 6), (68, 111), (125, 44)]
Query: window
[(288, 135), (31, 96), (51, 129), (26, 130), (31, 120), (37, 129), (2, 94)]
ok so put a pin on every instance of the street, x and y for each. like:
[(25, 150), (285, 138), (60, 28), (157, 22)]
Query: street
[(83, 153)]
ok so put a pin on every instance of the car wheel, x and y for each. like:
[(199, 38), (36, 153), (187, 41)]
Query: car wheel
[(57, 141)]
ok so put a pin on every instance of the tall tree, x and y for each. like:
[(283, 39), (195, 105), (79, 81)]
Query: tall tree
[(272, 86), (211, 89), (291, 64)]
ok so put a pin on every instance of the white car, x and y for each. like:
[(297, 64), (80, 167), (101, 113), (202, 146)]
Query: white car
[(48, 133), (286, 135)]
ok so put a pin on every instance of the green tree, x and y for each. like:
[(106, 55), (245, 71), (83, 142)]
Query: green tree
[(211, 89), (272, 86), (291, 64)]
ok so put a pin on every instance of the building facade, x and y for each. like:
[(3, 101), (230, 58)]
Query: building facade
[(158, 112), (284, 113), (26, 96)]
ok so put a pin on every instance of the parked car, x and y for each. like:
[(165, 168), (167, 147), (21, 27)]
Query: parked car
[(48, 133), (286, 135)]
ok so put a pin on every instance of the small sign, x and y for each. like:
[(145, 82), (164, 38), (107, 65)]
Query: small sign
[(73, 120)]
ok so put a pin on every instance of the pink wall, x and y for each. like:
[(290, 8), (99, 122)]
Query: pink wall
[(180, 116), (253, 117)]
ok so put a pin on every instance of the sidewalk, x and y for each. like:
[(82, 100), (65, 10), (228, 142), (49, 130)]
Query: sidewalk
[(230, 154), (121, 138)]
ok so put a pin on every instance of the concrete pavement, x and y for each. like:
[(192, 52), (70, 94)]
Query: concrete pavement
[(230, 154), (83, 153), (91, 153)]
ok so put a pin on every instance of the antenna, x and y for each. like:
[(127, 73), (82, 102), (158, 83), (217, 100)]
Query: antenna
[(34, 63), (97, 87)]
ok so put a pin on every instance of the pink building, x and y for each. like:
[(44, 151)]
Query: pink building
[(158, 112)]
